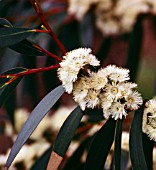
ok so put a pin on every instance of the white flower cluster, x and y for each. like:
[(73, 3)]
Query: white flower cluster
[(113, 17), (107, 88), (80, 7), (149, 119), (71, 65)]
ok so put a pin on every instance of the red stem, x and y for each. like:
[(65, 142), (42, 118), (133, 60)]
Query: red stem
[(46, 25), (48, 53), (30, 71)]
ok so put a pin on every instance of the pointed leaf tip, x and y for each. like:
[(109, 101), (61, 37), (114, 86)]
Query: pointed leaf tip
[(34, 119)]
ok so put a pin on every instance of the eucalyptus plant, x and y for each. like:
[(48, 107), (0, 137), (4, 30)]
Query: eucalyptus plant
[(109, 90)]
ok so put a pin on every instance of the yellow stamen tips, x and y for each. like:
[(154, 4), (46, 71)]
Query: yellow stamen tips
[(43, 27), (9, 77)]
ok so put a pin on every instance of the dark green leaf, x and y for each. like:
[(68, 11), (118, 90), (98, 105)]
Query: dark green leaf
[(5, 23), (42, 161), (69, 36), (104, 49), (10, 36), (28, 48), (7, 89), (117, 150), (134, 49), (67, 131), (74, 162), (148, 150), (100, 146), (34, 119), (135, 143)]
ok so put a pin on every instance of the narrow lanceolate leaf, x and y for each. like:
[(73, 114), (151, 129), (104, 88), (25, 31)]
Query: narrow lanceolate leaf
[(34, 119), (148, 150), (136, 147), (67, 131), (42, 161), (10, 36), (134, 48), (28, 48), (64, 138), (117, 150), (76, 159), (5, 88), (100, 146)]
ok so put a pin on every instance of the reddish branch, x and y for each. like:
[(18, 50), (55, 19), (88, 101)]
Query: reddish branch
[(48, 53), (38, 10), (28, 71)]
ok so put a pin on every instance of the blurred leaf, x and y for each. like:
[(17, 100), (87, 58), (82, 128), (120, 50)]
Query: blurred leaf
[(69, 36), (117, 150), (5, 23), (74, 162), (101, 146), (10, 36), (42, 161), (28, 48), (7, 89), (34, 119), (148, 150), (9, 60), (135, 143), (104, 49), (134, 49), (67, 131), (30, 83), (86, 31)]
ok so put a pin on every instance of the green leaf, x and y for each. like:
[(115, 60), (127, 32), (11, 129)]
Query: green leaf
[(42, 161), (117, 150), (10, 36), (75, 160), (67, 131), (5, 90), (134, 49), (5, 23), (148, 150), (28, 48), (100, 146), (104, 49), (34, 119), (135, 143)]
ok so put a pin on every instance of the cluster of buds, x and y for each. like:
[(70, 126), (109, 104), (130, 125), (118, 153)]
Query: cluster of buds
[(149, 119), (107, 88)]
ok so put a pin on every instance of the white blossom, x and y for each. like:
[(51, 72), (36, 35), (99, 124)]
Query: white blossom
[(113, 91), (133, 100), (79, 7), (108, 88), (117, 110), (120, 75), (92, 98), (149, 119), (72, 63), (97, 80)]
